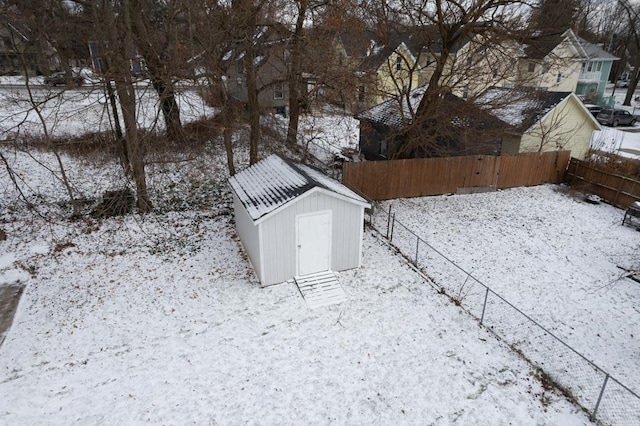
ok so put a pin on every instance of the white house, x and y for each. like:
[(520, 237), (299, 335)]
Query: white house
[(293, 220)]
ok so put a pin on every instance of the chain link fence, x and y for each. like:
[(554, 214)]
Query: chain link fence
[(604, 397)]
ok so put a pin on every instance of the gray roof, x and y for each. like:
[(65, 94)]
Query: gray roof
[(393, 113), (520, 108), (596, 52), (275, 181)]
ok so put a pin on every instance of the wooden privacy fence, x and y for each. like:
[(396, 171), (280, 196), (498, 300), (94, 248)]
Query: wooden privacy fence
[(616, 189), (383, 180)]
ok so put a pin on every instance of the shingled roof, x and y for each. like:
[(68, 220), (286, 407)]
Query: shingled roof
[(520, 108), (275, 181), (393, 113)]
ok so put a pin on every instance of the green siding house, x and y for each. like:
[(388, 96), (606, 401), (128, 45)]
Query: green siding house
[(595, 70)]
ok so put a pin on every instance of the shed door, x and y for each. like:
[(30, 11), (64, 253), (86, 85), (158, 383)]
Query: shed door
[(313, 235)]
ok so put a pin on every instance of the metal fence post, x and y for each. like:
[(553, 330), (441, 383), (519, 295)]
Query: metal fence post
[(592, 417), (484, 305), (393, 222), (417, 244), (388, 222)]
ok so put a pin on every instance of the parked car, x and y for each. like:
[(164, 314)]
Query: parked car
[(615, 117), (623, 82), (60, 79), (593, 109)]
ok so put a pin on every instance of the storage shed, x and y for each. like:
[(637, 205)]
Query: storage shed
[(293, 220)]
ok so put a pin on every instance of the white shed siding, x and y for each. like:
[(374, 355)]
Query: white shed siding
[(249, 235), (279, 235)]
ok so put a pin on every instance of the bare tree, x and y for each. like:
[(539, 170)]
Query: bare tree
[(113, 24), (156, 30), (298, 52), (632, 11)]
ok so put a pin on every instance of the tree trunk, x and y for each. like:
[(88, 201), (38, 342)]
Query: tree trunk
[(228, 147), (120, 36), (633, 83), (295, 75), (253, 106), (170, 110), (121, 141), (160, 74)]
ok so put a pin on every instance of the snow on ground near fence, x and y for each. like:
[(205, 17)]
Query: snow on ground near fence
[(160, 319), (550, 254), (74, 112), (325, 135)]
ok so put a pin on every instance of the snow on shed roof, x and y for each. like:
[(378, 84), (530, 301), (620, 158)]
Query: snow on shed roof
[(274, 181)]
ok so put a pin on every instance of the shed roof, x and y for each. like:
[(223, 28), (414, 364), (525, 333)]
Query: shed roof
[(275, 181)]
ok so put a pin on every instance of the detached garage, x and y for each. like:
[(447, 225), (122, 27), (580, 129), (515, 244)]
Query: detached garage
[(293, 220)]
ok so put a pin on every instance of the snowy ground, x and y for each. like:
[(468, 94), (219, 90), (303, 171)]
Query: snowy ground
[(160, 319), (550, 254), (77, 111)]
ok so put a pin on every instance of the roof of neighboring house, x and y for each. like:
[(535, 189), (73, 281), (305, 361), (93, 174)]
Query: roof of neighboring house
[(393, 113), (275, 181), (355, 43), (379, 52), (375, 46), (596, 52), (541, 45), (264, 37), (459, 113), (520, 108)]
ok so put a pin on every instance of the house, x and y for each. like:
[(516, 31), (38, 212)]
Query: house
[(499, 121), (271, 64), (385, 129), (594, 72), (541, 120), (552, 62), (385, 64), (20, 52), (475, 63), (293, 220), (567, 63)]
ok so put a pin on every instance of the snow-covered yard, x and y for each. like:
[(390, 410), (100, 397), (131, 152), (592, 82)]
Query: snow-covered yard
[(78, 111), (160, 319), (546, 251)]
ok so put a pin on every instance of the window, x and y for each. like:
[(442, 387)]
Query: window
[(465, 92), (469, 61), (559, 77), (383, 148), (598, 66), (278, 91), (590, 67), (584, 67), (399, 63), (532, 67)]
